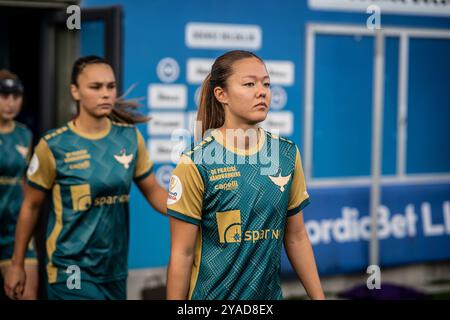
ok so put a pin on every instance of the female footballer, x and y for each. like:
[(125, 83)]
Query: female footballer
[(238, 195), (87, 166), (15, 149)]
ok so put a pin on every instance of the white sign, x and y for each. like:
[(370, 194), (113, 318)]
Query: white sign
[(223, 36), (191, 119), (198, 69), (282, 121), (167, 96), (163, 175), (279, 98), (197, 93), (165, 123), (410, 7), (281, 72), (165, 151), (168, 70)]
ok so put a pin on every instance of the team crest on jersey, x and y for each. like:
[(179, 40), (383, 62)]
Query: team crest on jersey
[(124, 158), (279, 180), (22, 150), (175, 190)]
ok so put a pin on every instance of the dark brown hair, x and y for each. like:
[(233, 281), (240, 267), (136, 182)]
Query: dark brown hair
[(6, 74), (124, 110)]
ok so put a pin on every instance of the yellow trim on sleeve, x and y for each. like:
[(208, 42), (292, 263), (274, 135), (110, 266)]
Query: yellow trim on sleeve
[(189, 201), (52, 271), (143, 162), (42, 169), (298, 191)]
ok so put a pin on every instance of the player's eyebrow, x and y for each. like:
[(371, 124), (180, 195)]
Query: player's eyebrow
[(255, 77)]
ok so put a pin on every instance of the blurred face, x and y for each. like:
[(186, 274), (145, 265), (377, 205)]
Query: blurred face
[(247, 94), (95, 90), (10, 105)]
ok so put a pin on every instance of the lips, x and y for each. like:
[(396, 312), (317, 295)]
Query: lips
[(261, 105), (105, 105)]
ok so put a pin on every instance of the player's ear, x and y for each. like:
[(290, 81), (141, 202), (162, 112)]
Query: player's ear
[(221, 95), (75, 93)]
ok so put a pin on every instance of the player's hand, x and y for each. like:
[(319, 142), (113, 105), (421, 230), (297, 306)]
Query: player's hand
[(15, 281)]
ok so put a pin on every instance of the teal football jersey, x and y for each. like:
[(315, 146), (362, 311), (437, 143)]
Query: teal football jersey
[(90, 179), (14, 155), (240, 200)]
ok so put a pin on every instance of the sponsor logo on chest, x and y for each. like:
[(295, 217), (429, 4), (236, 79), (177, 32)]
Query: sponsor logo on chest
[(77, 160)]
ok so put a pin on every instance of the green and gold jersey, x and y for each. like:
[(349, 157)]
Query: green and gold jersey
[(90, 178), (240, 200), (14, 155)]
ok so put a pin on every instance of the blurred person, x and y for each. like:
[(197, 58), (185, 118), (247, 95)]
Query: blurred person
[(228, 221), (15, 150), (88, 166)]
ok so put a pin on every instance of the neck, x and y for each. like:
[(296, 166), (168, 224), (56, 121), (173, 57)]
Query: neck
[(88, 124), (6, 125), (240, 134)]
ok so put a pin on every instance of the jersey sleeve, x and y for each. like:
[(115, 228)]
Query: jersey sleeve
[(186, 191), (298, 197), (41, 172), (144, 165)]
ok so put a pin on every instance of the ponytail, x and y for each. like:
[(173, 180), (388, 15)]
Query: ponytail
[(124, 111), (211, 113)]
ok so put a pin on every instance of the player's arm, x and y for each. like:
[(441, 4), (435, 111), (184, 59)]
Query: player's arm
[(184, 206), (154, 193), (145, 178), (26, 222), (41, 175), (296, 241), (183, 236), (300, 254)]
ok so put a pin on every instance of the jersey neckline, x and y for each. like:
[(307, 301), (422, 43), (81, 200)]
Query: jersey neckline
[(218, 136), (90, 136), (9, 130)]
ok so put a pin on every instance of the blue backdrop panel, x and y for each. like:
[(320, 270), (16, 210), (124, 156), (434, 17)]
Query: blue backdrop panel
[(154, 30)]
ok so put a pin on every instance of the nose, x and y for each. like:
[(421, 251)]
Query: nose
[(262, 91), (105, 92), (10, 100)]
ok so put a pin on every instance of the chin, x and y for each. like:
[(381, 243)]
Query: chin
[(103, 113), (259, 117), (8, 117)]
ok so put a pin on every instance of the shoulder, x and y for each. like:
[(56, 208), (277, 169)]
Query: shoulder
[(52, 134), (284, 143), (125, 130), (23, 129), (198, 147), (122, 125), (281, 139), (21, 126), (287, 147)]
